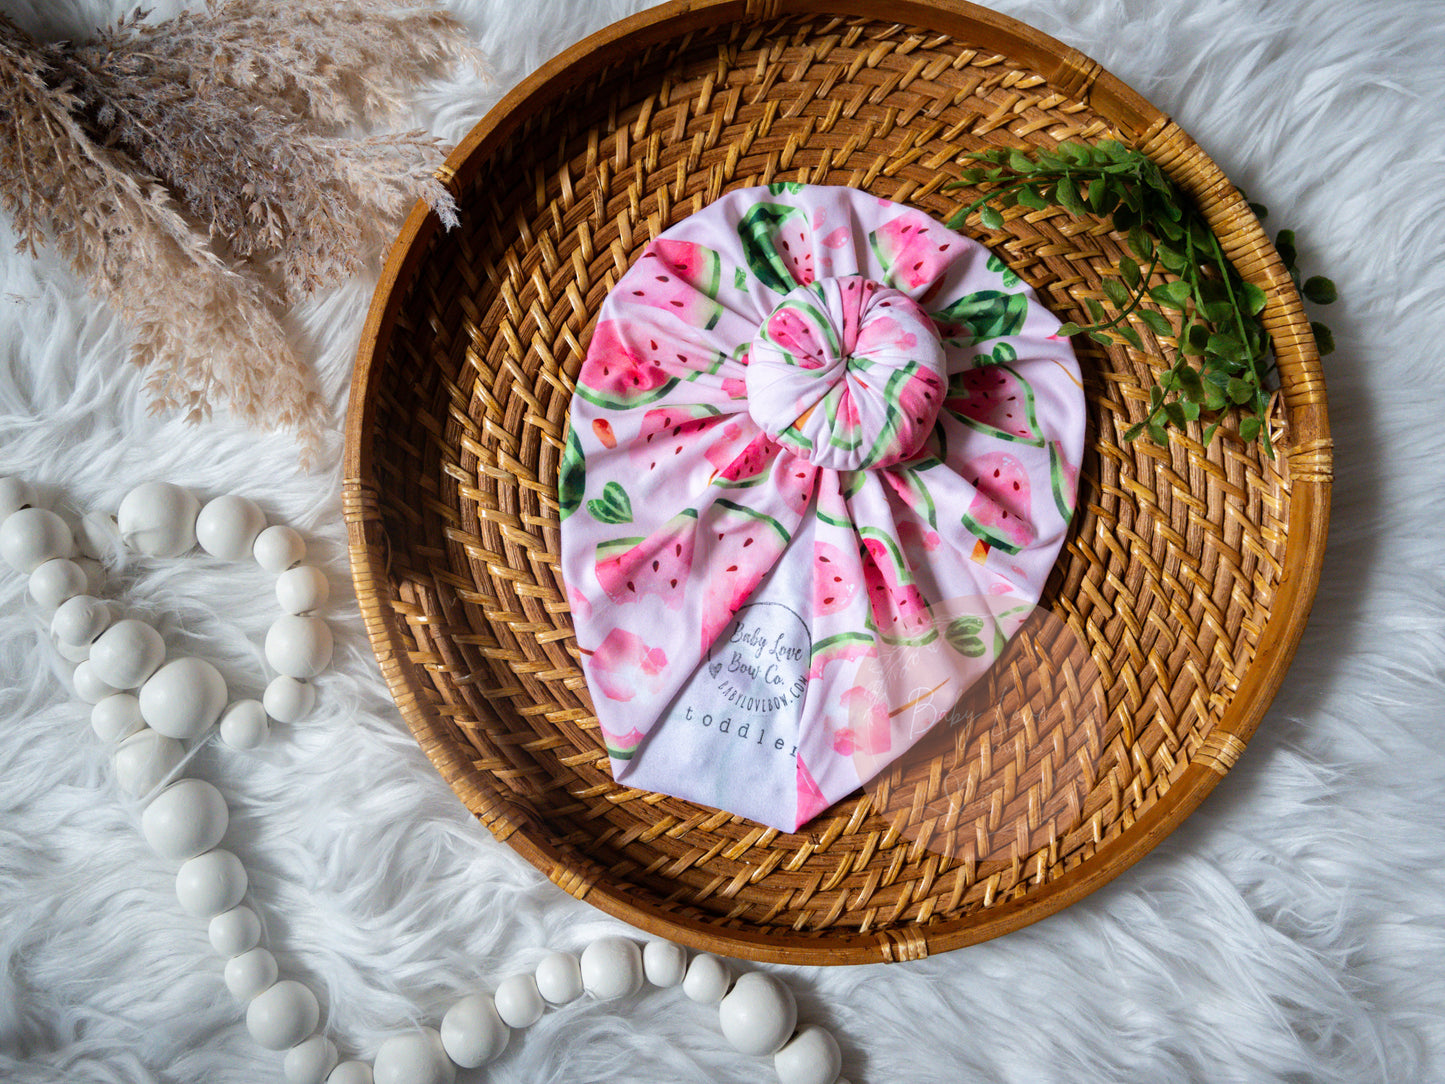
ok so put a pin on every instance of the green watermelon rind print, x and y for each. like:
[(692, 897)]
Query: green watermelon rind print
[(758, 230), (988, 314), (1058, 483), (992, 537), (571, 476), (761, 517), (617, 402)]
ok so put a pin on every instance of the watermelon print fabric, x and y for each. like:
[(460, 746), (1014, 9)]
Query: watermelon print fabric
[(821, 458)]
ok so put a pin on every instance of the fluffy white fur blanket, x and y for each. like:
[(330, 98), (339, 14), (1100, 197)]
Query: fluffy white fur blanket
[(1292, 930)]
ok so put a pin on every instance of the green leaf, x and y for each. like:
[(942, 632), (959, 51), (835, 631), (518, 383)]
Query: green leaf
[(1249, 429), (1068, 330), (1284, 244), (1320, 290), (1241, 391), (1190, 409), (1132, 433), (1157, 322), (1189, 382), (1141, 244), (614, 506), (1096, 310), (1031, 199), (1129, 335), (1130, 272), (1173, 258), (1098, 193), (1175, 413), (1324, 338), (1117, 292), (1254, 299), (1020, 162), (962, 635), (990, 218), (1069, 198), (1164, 296), (1157, 433), (1101, 338)]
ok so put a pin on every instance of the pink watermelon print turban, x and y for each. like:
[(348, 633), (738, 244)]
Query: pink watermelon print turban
[(822, 456)]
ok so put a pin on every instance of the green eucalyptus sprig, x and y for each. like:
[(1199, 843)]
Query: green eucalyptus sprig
[(1223, 356)]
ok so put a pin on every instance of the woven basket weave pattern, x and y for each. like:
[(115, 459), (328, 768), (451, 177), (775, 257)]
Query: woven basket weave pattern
[(1160, 598)]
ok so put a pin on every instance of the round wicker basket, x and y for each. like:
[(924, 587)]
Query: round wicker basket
[(1173, 611)]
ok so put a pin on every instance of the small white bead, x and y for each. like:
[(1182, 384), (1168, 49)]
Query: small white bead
[(144, 760), (278, 548), (311, 1061), (250, 973), (298, 646), (289, 699), (244, 724), (758, 1015), (185, 819), (227, 527), (32, 536), (283, 1015), (56, 581), (707, 980), (809, 1057), (351, 1072), (611, 968), (472, 1033), (127, 653), (414, 1057), (15, 494), (559, 978), (71, 653), (158, 519), (664, 963), (235, 931), (80, 620), (302, 589), (116, 717), (182, 699), (97, 535), (88, 684), (210, 883), (518, 1001)]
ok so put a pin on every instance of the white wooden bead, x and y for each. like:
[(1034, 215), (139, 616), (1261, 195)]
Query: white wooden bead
[(472, 1033), (144, 760), (351, 1072), (80, 620), (611, 968), (519, 1002), (31, 536), (414, 1057), (227, 527), (88, 685), (559, 978), (250, 973), (283, 1015), (210, 883), (310, 1062), (97, 535), (302, 589), (188, 817), (298, 646), (664, 963), (116, 717), (127, 653), (182, 699), (158, 519), (56, 581), (71, 653), (707, 979), (244, 724), (809, 1057), (15, 494), (277, 548), (288, 699), (758, 1015), (235, 931)]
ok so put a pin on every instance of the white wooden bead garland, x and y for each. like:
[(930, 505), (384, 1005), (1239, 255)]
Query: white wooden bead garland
[(150, 707)]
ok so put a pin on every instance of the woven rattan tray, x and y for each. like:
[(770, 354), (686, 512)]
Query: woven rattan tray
[(1176, 605)]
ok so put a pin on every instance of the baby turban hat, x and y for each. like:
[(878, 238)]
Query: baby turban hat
[(822, 455)]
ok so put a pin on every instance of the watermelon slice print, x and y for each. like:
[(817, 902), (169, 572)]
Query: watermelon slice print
[(622, 746), (776, 246), (999, 514), (898, 612), (742, 547), (681, 278), (623, 666), (834, 581), (995, 399), (571, 476), (667, 432), (1064, 477), (622, 372), (913, 249), (629, 569)]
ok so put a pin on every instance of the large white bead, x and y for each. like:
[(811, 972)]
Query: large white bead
[(809, 1057), (283, 1015), (188, 817), (210, 883), (519, 1002), (302, 589), (158, 519), (56, 581), (15, 494), (414, 1057), (707, 980), (664, 963), (758, 1015), (288, 699), (250, 973), (351, 1072), (298, 646), (183, 698), (309, 1062), (90, 686), (80, 620), (278, 547), (559, 978), (97, 535), (227, 527), (611, 967), (116, 717), (235, 931), (472, 1032), (244, 724), (31, 536), (144, 760), (127, 653), (71, 653)]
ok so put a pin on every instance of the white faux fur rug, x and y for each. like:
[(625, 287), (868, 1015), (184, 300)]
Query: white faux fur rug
[(1292, 930)]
